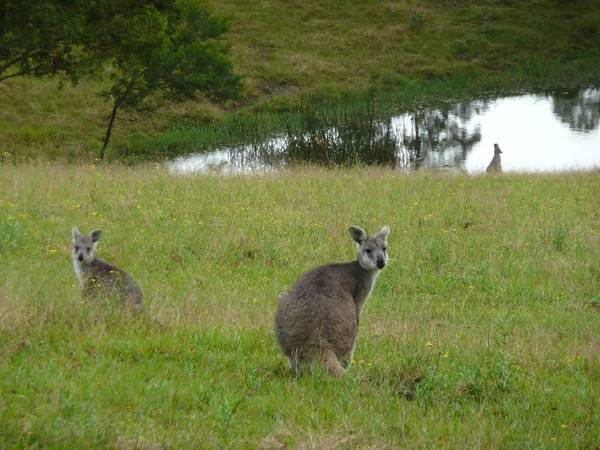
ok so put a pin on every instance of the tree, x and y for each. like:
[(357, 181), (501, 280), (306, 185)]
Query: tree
[(173, 48), (176, 52), (40, 37)]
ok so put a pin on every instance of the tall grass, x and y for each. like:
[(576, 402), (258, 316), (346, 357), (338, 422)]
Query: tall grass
[(486, 312), (325, 134)]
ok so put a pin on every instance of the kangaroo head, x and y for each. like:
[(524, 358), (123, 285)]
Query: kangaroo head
[(84, 246), (497, 150), (372, 251)]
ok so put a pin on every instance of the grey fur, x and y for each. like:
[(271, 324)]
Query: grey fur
[(318, 318), (495, 165), (98, 278)]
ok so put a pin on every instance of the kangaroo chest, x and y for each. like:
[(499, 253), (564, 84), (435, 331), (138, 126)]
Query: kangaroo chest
[(363, 290), (79, 273)]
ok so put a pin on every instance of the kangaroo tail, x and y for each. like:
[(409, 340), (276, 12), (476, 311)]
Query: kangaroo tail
[(332, 363)]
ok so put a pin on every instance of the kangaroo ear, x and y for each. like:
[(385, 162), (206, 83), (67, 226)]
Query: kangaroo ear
[(357, 234), (384, 232), (75, 232), (95, 235)]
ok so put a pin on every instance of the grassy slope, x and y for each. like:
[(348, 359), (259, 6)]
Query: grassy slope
[(292, 52), (359, 45), (484, 311)]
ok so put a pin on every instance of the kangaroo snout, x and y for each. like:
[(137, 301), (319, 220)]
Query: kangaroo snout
[(80, 257), (380, 263)]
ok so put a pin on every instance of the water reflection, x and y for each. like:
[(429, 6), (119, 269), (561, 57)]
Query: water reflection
[(580, 109), (437, 137), (536, 133)]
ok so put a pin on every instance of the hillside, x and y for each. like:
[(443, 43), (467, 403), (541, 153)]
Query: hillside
[(297, 52)]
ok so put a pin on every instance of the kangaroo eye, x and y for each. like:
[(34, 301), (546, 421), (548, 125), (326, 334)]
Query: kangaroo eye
[(369, 251), (76, 247), (385, 249), (89, 248)]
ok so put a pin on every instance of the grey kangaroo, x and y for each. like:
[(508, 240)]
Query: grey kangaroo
[(318, 318), (495, 165), (96, 277)]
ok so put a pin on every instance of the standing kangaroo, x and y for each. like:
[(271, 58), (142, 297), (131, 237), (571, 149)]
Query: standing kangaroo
[(495, 165), (318, 318), (96, 277)]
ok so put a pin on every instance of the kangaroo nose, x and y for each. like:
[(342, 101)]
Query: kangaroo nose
[(380, 263), (80, 257)]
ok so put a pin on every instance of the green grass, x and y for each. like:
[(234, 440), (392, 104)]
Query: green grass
[(289, 48), (487, 310), (294, 54)]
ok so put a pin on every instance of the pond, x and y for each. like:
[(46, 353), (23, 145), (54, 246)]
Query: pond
[(537, 133)]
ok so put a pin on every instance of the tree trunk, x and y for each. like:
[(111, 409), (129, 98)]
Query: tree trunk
[(111, 121)]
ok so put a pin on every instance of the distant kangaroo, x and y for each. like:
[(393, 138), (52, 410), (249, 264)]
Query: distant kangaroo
[(96, 277), (318, 318), (495, 165)]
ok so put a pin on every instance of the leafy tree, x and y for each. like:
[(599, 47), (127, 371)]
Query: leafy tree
[(176, 52), (172, 48), (40, 37)]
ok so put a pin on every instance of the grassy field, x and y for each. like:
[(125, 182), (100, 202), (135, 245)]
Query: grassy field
[(487, 312), (293, 53)]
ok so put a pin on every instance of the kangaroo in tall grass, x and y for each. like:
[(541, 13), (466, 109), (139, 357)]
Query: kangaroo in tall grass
[(495, 165), (98, 278), (318, 318)]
